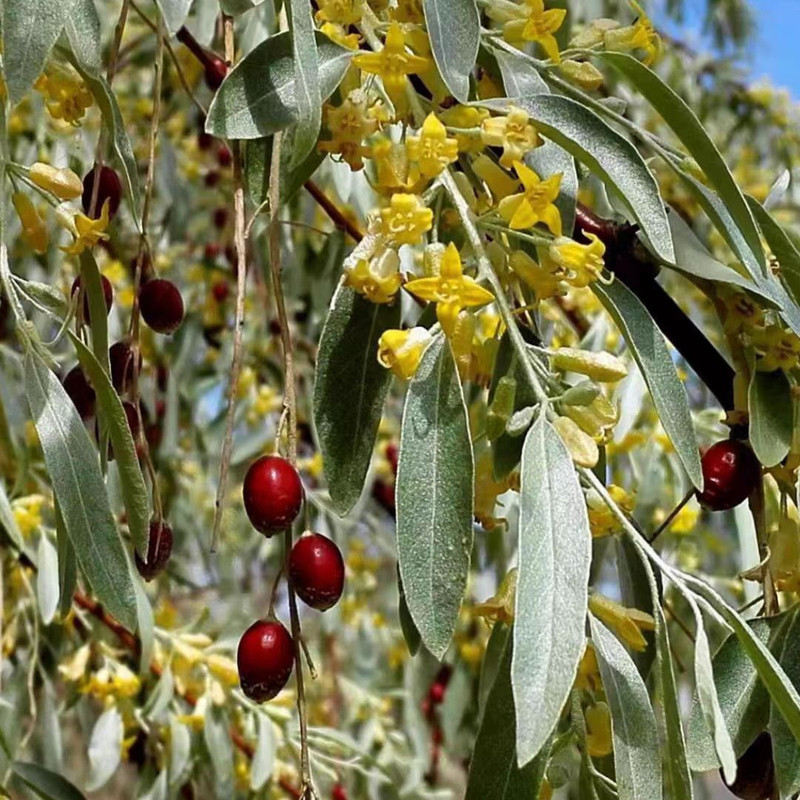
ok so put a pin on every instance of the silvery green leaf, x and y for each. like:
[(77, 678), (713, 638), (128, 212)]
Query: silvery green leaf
[(174, 12), (306, 80), (434, 497), (50, 727), (782, 247), (161, 696), (82, 27), (30, 29), (7, 521), (685, 125), (180, 751), (145, 625), (45, 783), (105, 748), (492, 659), (610, 156), (259, 95), (158, 788), (778, 190), (494, 772), (635, 592), (520, 77), (785, 748), (454, 28), (264, 757), (350, 387), (72, 463), (771, 409), (648, 347), (216, 734), (407, 626), (552, 595), (134, 490), (67, 564), (637, 758), (47, 578), (520, 421)]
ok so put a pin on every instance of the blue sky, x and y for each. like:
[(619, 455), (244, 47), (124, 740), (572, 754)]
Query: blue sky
[(775, 50)]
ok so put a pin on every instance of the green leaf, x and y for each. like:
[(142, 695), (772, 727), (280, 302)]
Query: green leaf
[(306, 80), (217, 737), (520, 78), (492, 659), (105, 748), (7, 521), (550, 612), (785, 749), (454, 28), (134, 489), (174, 12), (145, 624), (30, 29), (263, 762), (45, 783), (98, 313), (635, 593), (67, 565), (47, 579), (637, 758), (82, 27), (611, 157), (493, 770), (434, 497), (72, 463), (782, 247), (350, 387), (652, 355), (771, 416), (259, 95), (685, 125), (407, 626)]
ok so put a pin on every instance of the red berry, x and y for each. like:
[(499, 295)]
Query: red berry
[(211, 251), (272, 494), (108, 294), (265, 659), (121, 357), (384, 493), (204, 140), (109, 188), (212, 178), (224, 156), (730, 473), (339, 792), (161, 305), (159, 549), (132, 417), (221, 290), (436, 693), (220, 217), (755, 771), (215, 71), (80, 391), (392, 455), (317, 570)]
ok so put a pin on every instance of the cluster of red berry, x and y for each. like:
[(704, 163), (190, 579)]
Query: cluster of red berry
[(273, 496)]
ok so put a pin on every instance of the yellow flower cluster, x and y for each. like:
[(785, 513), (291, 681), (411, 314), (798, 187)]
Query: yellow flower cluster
[(66, 95)]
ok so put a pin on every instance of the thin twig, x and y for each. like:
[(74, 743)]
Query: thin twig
[(240, 247), (678, 621), (336, 216), (672, 514)]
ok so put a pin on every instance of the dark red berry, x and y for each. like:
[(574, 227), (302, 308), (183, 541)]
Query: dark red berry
[(215, 71), (121, 357), (220, 217), (383, 492), (730, 473), (132, 417), (108, 294), (224, 156), (212, 178), (211, 251), (109, 188), (755, 771), (437, 692), (204, 140), (392, 454), (159, 549), (161, 305), (339, 792), (272, 494), (265, 659), (220, 290), (80, 391), (317, 570)]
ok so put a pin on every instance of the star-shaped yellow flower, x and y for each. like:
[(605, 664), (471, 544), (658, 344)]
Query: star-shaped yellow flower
[(393, 63), (537, 25), (513, 132), (405, 219), (432, 149), (88, 232), (639, 36), (451, 290), (34, 231), (534, 204), (627, 623), (584, 262), (401, 350)]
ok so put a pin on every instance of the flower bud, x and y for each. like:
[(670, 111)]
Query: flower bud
[(501, 408), (581, 394), (599, 417), (401, 351), (34, 231), (62, 182), (586, 75), (599, 366), (598, 730), (582, 448)]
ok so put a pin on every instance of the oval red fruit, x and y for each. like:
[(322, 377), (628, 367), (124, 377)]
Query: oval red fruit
[(730, 473), (316, 567), (159, 549), (108, 294), (272, 493), (161, 305), (80, 391), (265, 659), (109, 188)]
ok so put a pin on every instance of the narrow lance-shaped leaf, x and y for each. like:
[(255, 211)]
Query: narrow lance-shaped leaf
[(771, 409), (493, 771), (105, 748), (72, 463), (45, 783), (7, 521), (637, 759), (174, 12), (434, 497), (454, 28), (306, 80), (552, 594), (67, 564), (349, 391), (785, 747), (685, 125), (82, 27), (47, 579), (782, 247), (653, 357), (610, 156)]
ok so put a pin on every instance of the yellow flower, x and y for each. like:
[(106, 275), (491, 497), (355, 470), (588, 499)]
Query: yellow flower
[(88, 232), (627, 623), (600, 366), (500, 607), (27, 513), (112, 680), (534, 204), (500, 183), (598, 730), (405, 219), (34, 231), (465, 117), (530, 22), (377, 278), (67, 97), (342, 12), (63, 183), (588, 676), (743, 312), (597, 419), (513, 132), (487, 490), (393, 171), (451, 290), (338, 33), (784, 559), (393, 63), (639, 36), (780, 348), (401, 351), (584, 262), (601, 521), (432, 149), (585, 74), (349, 125)]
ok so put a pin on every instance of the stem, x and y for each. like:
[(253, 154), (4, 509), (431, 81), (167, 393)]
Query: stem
[(672, 514), (758, 511), (240, 247), (335, 215)]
